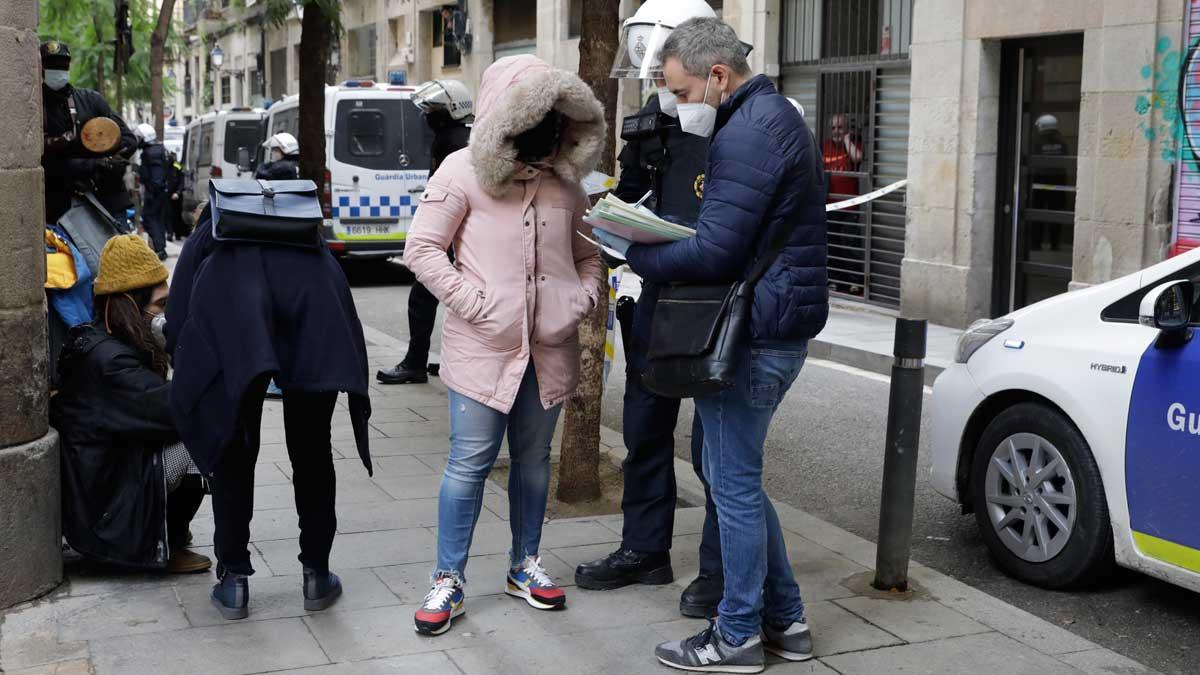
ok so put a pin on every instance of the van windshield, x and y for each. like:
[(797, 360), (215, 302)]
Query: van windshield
[(242, 134), (382, 134)]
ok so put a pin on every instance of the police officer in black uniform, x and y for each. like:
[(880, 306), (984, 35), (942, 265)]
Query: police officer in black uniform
[(69, 167), (447, 108), (659, 157), (152, 172)]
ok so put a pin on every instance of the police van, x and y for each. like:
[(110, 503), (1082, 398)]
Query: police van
[(1071, 429), (377, 157), (212, 147)]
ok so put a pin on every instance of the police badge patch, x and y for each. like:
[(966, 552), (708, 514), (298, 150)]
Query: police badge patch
[(698, 186), (53, 48)]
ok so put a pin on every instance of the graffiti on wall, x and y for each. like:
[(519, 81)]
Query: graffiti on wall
[(1159, 106), (1187, 122)]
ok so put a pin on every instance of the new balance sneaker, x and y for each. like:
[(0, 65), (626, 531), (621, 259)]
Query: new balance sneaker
[(708, 652), (531, 583), (792, 642), (444, 602)]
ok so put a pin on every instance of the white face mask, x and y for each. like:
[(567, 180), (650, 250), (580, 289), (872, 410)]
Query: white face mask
[(698, 118), (667, 102), (56, 79)]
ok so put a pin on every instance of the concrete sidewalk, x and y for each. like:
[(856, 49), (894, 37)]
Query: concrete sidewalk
[(862, 336), (108, 623)]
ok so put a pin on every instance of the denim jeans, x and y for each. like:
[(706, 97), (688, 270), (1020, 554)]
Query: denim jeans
[(759, 584), (476, 432)]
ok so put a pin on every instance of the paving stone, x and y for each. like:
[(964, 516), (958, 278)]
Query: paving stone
[(1104, 661), (913, 620), (577, 555), (485, 576), (29, 634), (426, 487), (985, 653), (836, 630), (230, 649), (393, 415), (124, 614), (267, 525), (394, 515), (387, 631), (597, 610), (819, 571), (406, 429), (282, 597), (628, 650), (408, 400), (358, 551), (497, 537), (346, 433), (497, 504), (409, 445), (73, 667), (432, 412), (408, 465), (435, 461), (435, 663), (349, 491)]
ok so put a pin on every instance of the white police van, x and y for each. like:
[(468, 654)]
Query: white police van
[(212, 147), (377, 151), (1071, 429)]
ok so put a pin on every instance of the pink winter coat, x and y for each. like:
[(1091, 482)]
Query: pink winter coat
[(522, 279)]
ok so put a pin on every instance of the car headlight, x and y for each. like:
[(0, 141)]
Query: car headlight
[(978, 335)]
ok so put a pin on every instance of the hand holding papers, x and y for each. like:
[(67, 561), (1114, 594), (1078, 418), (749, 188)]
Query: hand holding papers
[(633, 223)]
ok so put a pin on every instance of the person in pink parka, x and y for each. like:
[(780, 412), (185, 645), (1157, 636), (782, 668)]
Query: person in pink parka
[(511, 206)]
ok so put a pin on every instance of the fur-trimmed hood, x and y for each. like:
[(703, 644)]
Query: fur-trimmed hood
[(514, 95)]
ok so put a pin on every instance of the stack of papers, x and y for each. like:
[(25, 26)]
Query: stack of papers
[(635, 223)]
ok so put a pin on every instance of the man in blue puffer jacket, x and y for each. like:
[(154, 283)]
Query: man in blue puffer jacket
[(763, 174)]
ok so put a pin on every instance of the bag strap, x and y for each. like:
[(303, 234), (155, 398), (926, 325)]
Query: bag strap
[(779, 240)]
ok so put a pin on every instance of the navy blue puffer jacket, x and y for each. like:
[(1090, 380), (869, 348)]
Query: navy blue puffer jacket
[(762, 173)]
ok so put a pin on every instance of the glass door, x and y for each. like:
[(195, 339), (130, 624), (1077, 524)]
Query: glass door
[(1039, 167)]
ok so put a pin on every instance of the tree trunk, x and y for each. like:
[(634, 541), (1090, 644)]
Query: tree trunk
[(579, 467), (316, 33), (100, 59), (157, 41)]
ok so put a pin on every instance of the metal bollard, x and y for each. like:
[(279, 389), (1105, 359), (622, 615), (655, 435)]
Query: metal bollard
[(900, 461)]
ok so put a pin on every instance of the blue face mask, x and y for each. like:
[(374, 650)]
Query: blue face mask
[(57, 79)]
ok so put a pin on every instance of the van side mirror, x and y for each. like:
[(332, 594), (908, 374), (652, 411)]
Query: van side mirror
[(244, 165), (1169, 309)]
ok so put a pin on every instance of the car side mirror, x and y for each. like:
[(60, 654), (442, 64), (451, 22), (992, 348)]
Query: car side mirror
[(1169, 309), (243, 163)]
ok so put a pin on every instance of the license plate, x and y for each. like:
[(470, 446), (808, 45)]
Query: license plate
[(372, 230)]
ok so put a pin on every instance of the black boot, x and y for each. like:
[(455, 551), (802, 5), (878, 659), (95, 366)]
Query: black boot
[(231, 595), (402, 374), (700, 599), (623, 568), (321, 590)]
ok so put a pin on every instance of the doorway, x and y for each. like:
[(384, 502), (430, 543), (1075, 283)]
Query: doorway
[(1038, 169)]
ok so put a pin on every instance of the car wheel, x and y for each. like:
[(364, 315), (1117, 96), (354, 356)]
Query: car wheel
[(1039, 499)]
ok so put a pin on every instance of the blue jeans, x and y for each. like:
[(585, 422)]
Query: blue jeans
[(476, 432), (759, 584)]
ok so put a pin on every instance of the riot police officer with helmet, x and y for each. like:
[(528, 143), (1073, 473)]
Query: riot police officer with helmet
[(661, 159), (68, 164)]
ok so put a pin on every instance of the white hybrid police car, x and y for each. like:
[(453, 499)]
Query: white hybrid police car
[(1071, 429)]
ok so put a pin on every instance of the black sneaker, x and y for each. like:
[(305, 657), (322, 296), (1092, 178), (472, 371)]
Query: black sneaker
[(708, 652), (700, 599), (624, 568), (792, 642), (402, 374), (321, 590), (231, 595)]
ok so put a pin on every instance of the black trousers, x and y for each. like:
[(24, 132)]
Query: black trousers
[(307, 418), (153, 211), (422, 315), (650, 492), (182, 505)]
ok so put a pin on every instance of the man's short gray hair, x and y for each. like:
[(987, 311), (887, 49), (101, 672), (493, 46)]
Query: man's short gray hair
[(702, 43)]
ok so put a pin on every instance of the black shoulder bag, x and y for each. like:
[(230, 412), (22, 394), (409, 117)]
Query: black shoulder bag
[(284, 212), (698, 332)]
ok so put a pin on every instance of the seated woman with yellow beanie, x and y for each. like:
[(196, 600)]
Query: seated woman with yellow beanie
[(129, 488)]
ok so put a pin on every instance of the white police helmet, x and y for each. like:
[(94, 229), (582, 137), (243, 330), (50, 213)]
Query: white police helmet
[(1046, 123), (643, 35), (145, 132), (449, 95), (284, 142)]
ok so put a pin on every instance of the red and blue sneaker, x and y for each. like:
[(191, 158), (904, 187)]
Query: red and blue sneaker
[(444, 602), (531, 583)]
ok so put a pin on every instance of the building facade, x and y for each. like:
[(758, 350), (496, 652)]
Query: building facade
[(1041, 141)]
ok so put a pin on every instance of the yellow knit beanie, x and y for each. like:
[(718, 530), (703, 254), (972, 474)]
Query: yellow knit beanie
[(127, 264)]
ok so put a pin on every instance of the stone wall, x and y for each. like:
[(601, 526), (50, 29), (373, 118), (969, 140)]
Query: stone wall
[(30, 551), (1126, 156)]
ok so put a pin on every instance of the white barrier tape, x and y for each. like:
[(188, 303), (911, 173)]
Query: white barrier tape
[(863, 199)]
